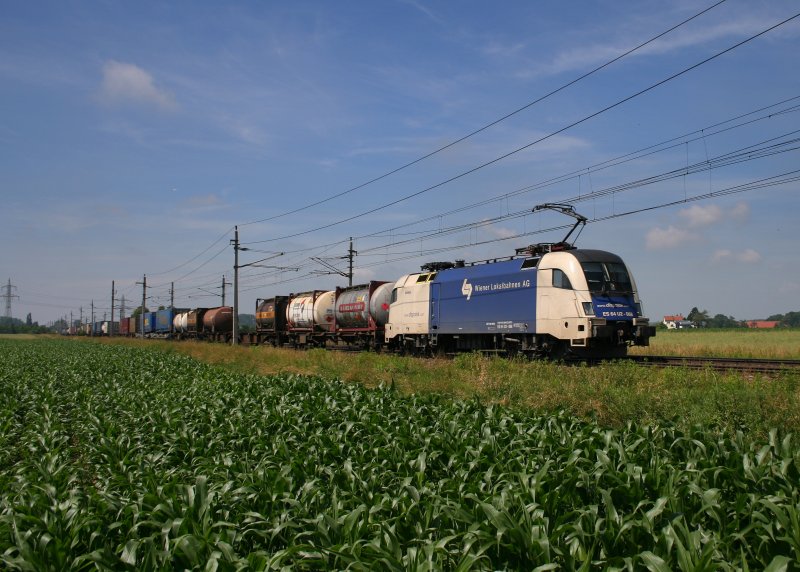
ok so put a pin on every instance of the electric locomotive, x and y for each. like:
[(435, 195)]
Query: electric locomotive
[(549, 300)]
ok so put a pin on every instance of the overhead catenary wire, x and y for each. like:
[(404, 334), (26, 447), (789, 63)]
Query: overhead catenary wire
[(535, 142), (772, 181), (702, 133), (752, 152), (206, 262), (749, 152), (732, 157), (488, 125), (500, 158)]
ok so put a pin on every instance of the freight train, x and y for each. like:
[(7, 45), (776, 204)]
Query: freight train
[(548, 300), (565, 301)]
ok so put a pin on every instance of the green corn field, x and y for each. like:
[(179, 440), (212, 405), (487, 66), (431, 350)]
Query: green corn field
[(123, 458)]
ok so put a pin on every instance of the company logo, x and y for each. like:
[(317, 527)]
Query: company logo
[(466, 289), (352, 307)]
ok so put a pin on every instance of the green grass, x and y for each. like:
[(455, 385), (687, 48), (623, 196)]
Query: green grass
[(779, 343), (612, 394), (125, 458)]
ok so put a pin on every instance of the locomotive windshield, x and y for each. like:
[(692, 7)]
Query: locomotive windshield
[(607, 277)]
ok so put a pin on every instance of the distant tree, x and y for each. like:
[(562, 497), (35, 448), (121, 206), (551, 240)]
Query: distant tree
[(137, 311), (247, 323), (700, 318), (723, 321), (791, 319)]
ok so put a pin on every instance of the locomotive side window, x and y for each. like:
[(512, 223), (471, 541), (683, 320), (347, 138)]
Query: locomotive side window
[(560, 280), (426, 277), (393, 298)]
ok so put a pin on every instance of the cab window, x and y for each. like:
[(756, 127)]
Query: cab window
[(607, 277), (560, 280)]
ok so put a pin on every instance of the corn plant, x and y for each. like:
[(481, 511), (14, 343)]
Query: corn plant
[(120, 458)]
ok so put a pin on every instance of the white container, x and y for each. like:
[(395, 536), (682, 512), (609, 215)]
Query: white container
[(311, 310)]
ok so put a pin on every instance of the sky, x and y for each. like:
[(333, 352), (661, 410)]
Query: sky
[(135, 138)]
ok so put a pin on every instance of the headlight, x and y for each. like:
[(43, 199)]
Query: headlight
[(588, 309)]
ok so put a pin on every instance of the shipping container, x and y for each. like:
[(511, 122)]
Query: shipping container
[(271, 314), (149, 322), (109, 329), (164, 320)]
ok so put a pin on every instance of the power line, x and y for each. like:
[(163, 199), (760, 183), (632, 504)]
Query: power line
[(775, 180), (537, 141), (666, 145), (488, 125), (753, 152), (588, 171)]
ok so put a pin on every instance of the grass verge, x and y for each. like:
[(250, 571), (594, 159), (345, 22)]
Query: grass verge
[(612, 393)]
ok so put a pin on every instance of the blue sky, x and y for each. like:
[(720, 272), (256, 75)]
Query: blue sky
[(135, 136)]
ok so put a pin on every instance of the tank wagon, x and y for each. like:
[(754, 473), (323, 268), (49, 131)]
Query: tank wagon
[(361, 313), (351, 317), (309, 318), (213, 324)]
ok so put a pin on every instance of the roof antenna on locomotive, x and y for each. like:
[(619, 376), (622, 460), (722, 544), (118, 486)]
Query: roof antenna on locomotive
[(545, 247)]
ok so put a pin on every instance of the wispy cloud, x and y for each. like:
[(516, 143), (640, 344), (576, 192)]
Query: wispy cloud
[(699, 216), (746, 256), (670, 237), (692, 224), (125, 83), (206, 201), (590, 55), (424, 9)]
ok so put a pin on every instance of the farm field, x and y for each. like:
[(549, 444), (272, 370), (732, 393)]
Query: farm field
[(736, 343), (115, 457), (612, 394)]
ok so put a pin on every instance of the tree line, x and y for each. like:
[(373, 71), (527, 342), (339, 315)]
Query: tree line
[(701, 319)]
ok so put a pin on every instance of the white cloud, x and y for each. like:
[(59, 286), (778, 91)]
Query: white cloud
[(502, 232), (741, 211), (128, 83), (699, 216), (208, 201), (721, 255), (496, 48), (747, 256), (670, 237), (592, 55)]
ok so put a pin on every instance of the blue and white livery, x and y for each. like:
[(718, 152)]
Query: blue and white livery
[(570, 301)]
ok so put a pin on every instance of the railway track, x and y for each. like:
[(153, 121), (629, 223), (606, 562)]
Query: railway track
[(745, 365)]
